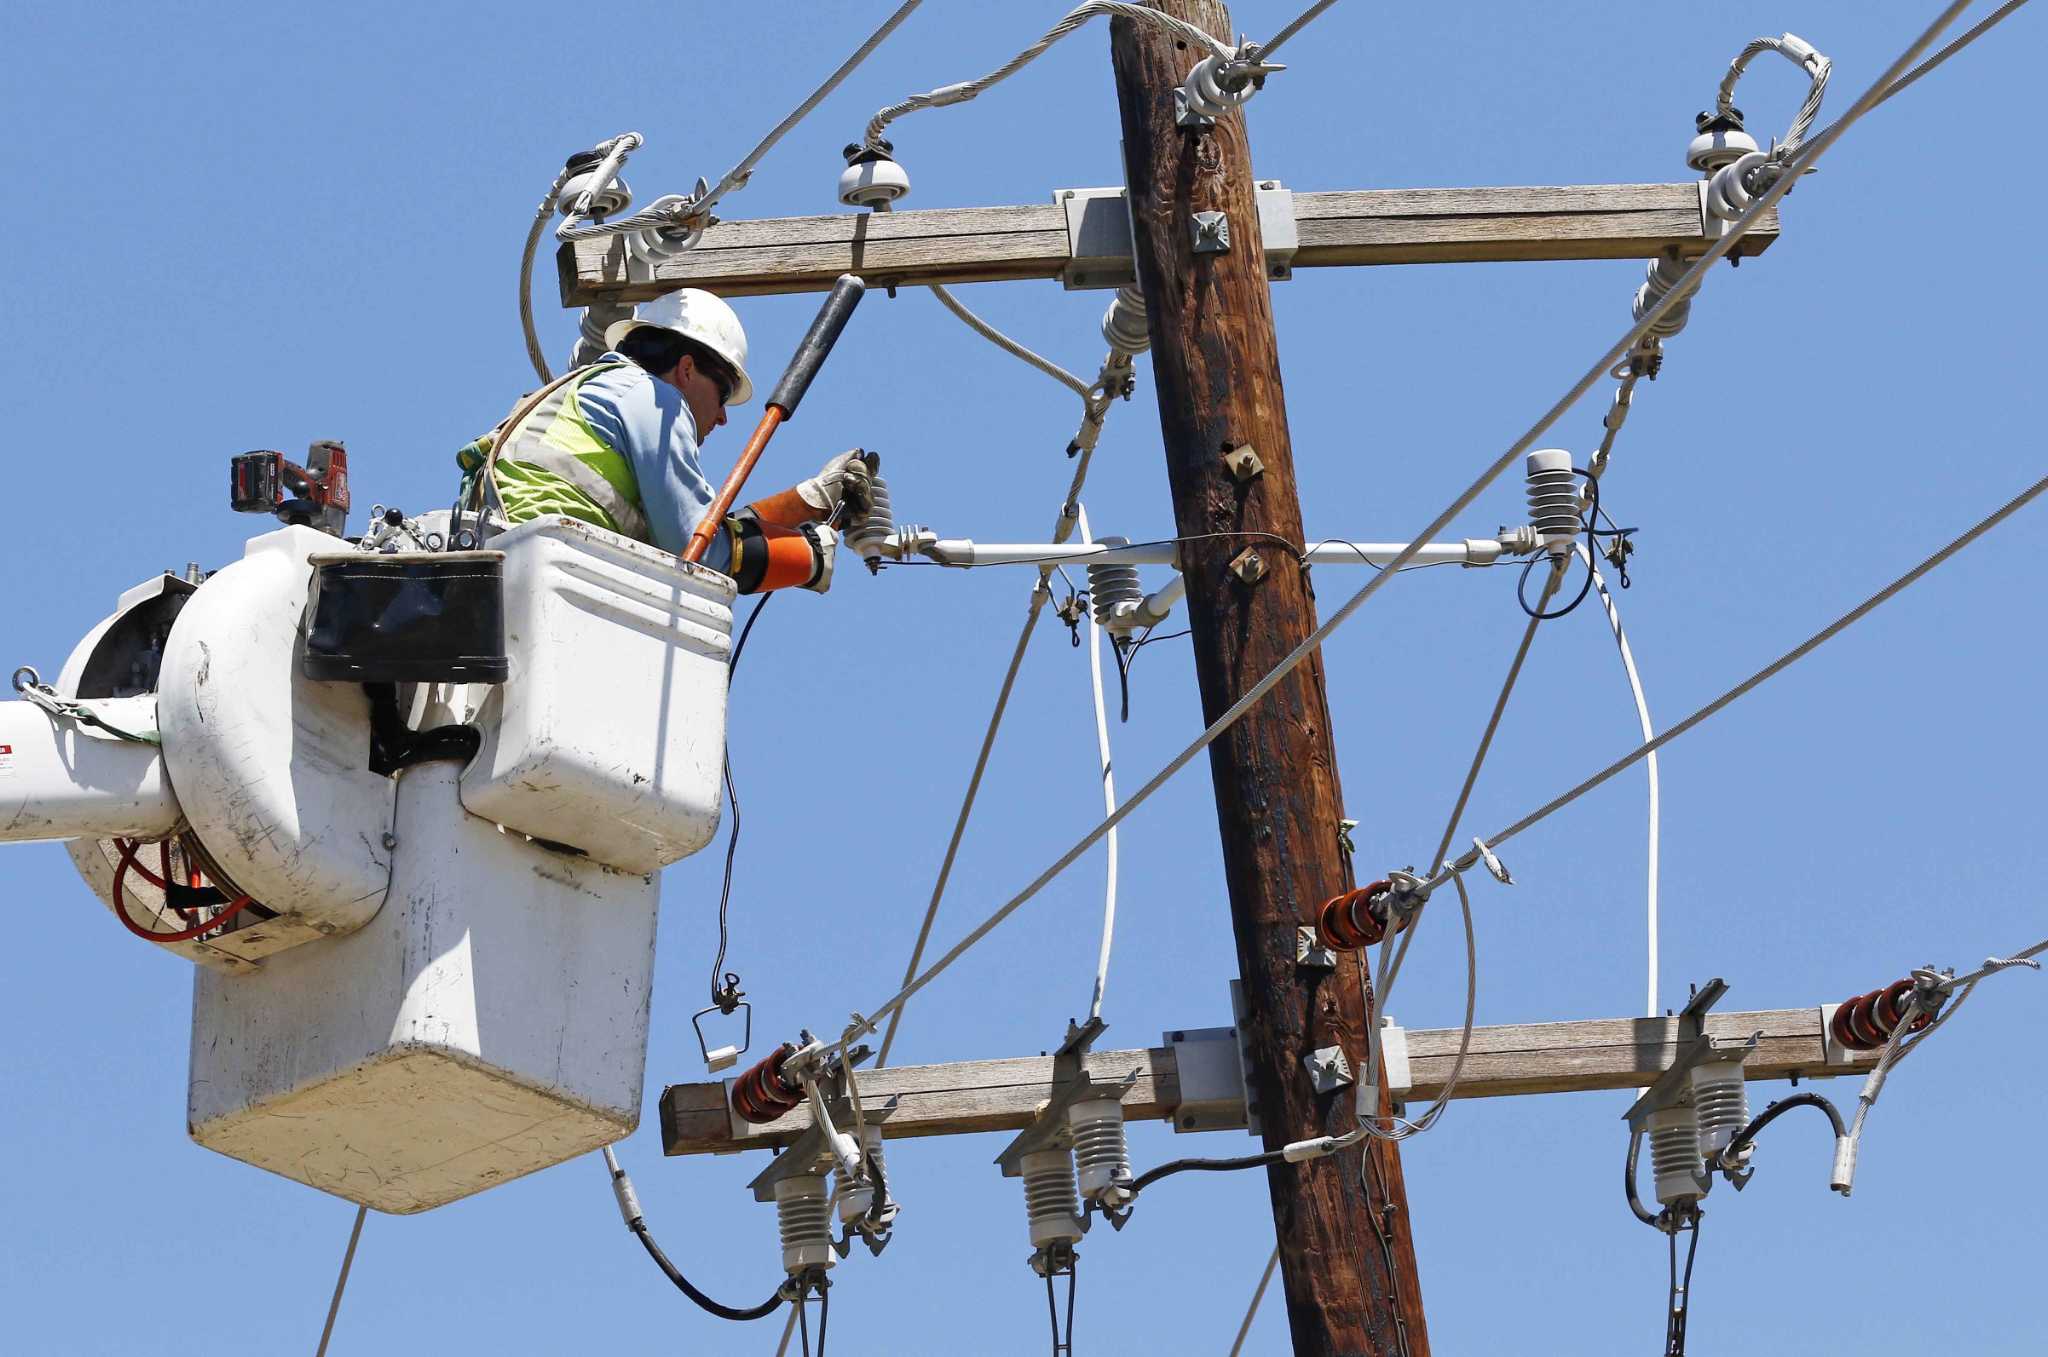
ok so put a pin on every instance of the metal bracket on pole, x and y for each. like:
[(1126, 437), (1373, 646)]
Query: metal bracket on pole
[(1210, 1069), (1834, 1052), (1328, 1068), (1395, 1071), (1674, 1087), (1243, 461), (1072, 1083), (1099, 235), (1309, 950), (810, 1149), (1211, 232)]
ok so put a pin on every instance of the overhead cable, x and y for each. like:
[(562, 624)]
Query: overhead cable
[(526, 257), (690, 213), (348, 1259), (1301, 21), (1775, 667), (1635, 688), (737, 176), (1976, 31), (964, 90), (1714, 253), (1108, 798), (1083, 445), (1800, 53), (1009, 345), (1252, 1310), (1500, 703), (629, 1211)]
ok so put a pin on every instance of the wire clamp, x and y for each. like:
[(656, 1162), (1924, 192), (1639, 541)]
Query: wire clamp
[(1494, 867)]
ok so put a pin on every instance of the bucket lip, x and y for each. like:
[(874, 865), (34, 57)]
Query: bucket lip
[(399, 559), (564, 529)]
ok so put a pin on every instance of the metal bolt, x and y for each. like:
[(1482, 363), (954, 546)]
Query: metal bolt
[(390, 841), (1249, 566)]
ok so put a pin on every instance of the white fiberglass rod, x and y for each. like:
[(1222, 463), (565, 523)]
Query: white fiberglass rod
[(965, 552)]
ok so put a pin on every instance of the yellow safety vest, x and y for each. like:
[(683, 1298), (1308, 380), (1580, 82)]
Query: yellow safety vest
[(552, 462)]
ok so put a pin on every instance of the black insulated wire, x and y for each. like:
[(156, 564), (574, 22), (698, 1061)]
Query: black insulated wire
[(1062, 1347), (1628, 1182), (1778, 1109), (1593, 535), (703, 1302), (725, 996), (1172, 1166), (1680, 1298)]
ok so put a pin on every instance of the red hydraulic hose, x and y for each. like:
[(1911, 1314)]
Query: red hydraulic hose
[(127, 864)]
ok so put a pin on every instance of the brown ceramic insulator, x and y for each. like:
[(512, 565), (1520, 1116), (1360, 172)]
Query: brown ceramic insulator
[(1863, 1021), (1348, 922), (1838, 1027), (760, 1095), (1890, 1007)]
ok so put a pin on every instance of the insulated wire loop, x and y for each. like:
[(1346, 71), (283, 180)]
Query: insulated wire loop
[(1775, 667), (1649, 731), (1715, 252), (1801, 54), (1108, 804), (686, 216), (629, 1208), (1041, 593)]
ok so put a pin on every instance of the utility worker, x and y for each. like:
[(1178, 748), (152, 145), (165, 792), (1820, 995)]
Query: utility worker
[(615, 443)]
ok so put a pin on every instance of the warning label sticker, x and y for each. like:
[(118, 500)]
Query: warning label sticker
[(6, 758)]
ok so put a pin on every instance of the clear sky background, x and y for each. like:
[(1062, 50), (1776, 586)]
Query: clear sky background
[(242, 226)]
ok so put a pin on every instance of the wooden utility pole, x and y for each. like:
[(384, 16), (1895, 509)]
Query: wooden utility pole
[(1346, 1252)]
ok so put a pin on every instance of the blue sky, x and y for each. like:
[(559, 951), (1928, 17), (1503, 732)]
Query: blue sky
[(247, 226)]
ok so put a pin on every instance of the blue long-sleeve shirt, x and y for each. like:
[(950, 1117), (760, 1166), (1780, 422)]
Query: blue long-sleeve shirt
[(648, 422)]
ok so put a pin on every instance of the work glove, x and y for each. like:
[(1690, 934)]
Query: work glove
[(843, 480), (824, 545)]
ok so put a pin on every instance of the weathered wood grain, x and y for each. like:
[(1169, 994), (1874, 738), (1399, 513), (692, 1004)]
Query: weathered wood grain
[(1505, 1061), (993, 244)]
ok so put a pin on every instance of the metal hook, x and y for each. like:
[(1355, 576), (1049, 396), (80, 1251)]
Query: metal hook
[(725, 1056)]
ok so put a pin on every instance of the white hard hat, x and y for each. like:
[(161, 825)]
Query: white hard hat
[(696, 315)]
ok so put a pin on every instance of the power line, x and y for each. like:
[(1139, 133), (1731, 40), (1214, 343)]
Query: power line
[(1688, 282), (348, 1259), (1775, 667)]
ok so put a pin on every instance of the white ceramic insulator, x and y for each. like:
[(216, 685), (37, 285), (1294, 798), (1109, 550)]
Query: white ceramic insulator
[(867, 537), (856, 1200), (1720, 1097), (1709, 151), (1050, 1198), (1728, 191), (1111, 585), (1101, 1160), (611, 200), (804, 1217), (1125, 326), (1553, 496), (1206, 93), (1663, 275), (1675, 1154), (873, 183)]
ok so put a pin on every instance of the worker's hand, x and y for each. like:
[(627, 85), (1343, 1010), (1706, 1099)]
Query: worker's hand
[(843, 480), (824, 546)]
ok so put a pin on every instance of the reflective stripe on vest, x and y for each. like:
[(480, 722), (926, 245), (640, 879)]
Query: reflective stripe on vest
[(554, 462)]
